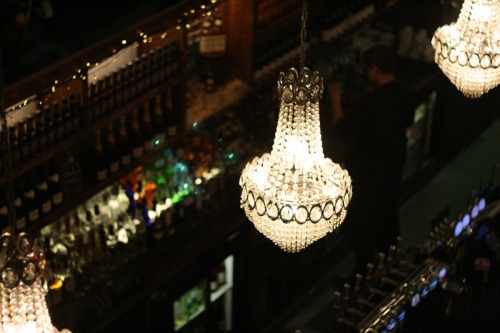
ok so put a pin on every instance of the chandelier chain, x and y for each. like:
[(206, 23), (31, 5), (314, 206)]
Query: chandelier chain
[(303, 34)]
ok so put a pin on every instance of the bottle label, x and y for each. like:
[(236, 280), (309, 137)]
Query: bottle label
[(46, 207), (21, 223), (138, 152), (114, 167), (33, 215), (212, 44), (102, 174), (67, 127), (57, 198), (126, 159)]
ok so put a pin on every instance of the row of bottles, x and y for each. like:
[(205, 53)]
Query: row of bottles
[(134, 79), (270, 10), (139, 132), (85, 247), (35, 196), (41, 130)]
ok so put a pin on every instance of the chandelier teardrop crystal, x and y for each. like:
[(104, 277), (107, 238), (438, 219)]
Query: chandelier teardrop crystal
[(468, 50), (294, 195), (22, 299)]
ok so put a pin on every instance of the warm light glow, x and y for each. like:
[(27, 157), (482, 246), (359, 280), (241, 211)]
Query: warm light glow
[(294, 195), (468, 51)]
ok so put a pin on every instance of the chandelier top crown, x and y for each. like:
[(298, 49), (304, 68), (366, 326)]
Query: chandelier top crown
[(299, 88)]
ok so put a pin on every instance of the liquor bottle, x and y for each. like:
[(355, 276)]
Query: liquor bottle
[(123, 143), (55, 186), (42, 192), (148, 133), (41, 134), (31, 135), (136, 137), (75, 113), (57, 121), (49, 125), (15, 150), (100, 163), (22, 139), (112, 154), (30, 201)]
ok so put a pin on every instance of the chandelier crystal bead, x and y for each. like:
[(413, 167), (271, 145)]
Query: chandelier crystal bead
[(294, 195), (468, 50)]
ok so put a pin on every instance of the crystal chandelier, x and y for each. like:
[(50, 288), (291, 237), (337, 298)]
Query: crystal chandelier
[(22, 299), (294, 195), (468, 51)]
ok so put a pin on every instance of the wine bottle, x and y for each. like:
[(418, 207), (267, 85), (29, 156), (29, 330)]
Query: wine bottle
[(112, 155), (75, 113), (31, 135), (148, 133), (24, 148), (109, 100), (124, 84), (14, 146), (158, 119), (117, 89), (169, 114), (49, 125), (136, 137), (57, 121), (66, 117), (123, 143), (100, 163), (94, 106), (41, 134), (153, 67)]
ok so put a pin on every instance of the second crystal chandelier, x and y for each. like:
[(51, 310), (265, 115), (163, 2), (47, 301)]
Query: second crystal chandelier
[(294, 195), (468, 51)]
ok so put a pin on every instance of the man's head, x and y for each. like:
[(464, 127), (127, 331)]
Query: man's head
[(379, 62)]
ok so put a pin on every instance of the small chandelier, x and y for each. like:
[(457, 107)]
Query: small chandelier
[(294, 195), (468, 51), (22, 299)]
